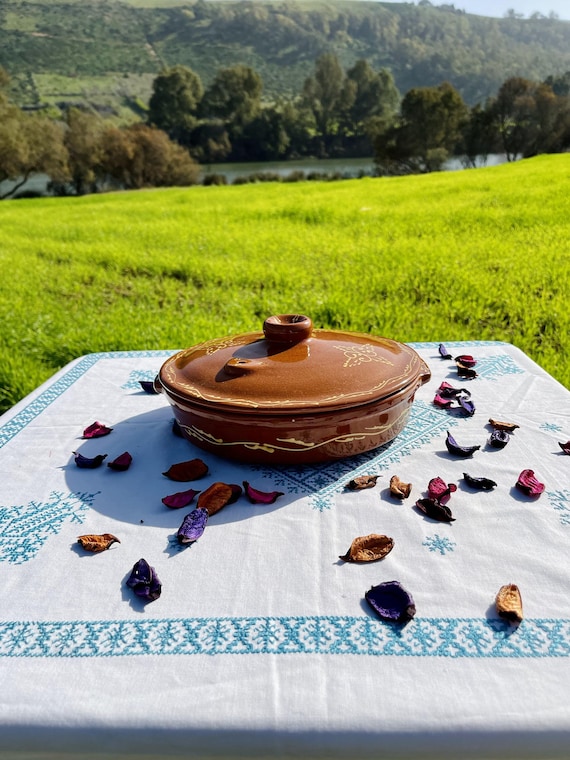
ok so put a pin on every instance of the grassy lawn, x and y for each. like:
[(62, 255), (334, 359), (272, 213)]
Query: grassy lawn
[(472, 255)]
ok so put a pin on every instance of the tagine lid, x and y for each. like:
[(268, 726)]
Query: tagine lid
[(291, 366)]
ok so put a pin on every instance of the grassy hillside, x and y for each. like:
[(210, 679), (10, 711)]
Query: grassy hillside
[(480, 254), (106, 53)]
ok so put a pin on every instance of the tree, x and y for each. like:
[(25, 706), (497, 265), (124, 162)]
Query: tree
[(141, 156), (29, 144), (428, 131), (83, 143), (176, 96), (373, 96), (326, 96), (234, 97)]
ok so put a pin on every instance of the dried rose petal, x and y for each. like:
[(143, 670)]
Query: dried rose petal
[(467, 405), (144, 581), (440, 491), (446, 390), (461, 451), (436, 511), (89, 463), (180, 499), (509, 603), (121, 463), (96, 430), (215, 497), (184, 471), (464, 371), (369, 548), (391, 602), (565, 447), (466, 359), (529, 484), (483, 484), (193, 526), (398, 488), (443, 352), (148, 386), (509, 427), (499, 439), (362, 482), (260, 497), (97, 543)]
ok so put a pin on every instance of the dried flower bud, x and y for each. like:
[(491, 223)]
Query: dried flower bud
[(369, 548)]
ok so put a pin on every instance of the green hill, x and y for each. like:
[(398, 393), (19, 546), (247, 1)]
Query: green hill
[(106, 53)]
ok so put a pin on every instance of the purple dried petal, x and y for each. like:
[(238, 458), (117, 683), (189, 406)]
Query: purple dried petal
[(434, 510), (260, 497), (121, 463), (144, 581), (499, 439), (529, 484), (466, 360), (483, 484), (391, 601), (96, 430), (89, 463), (148, 386), (193, 526), (467, 405), (180, 499), (565, 447), (440, 491), (443, 352), (461, 451)]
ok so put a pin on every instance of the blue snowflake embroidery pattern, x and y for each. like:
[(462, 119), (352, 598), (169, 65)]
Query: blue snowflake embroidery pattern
[(437, 543), (133, 381), (550, 427), (333, 635), (560, 501), (322, 482), (25, 529)]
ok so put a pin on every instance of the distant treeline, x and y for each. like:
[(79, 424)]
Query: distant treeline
[(338, 113)]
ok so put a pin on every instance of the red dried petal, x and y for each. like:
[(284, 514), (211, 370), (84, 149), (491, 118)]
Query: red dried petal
[(184, 471), (529, 484), (121, 463), (96, 430), (180, 499), (260, 497), (439, 490), (565, 447)]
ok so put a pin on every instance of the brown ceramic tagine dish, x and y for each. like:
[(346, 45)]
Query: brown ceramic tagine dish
[(292, 394)]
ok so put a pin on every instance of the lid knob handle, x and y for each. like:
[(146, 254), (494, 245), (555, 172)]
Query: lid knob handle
[(287, 328)]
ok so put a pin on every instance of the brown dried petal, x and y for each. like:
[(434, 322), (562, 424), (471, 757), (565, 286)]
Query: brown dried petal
[(369, 548), (362, 482), (215, 497), (509, 603), (97, 543), (184, 471), (398, 488), (508, 427)]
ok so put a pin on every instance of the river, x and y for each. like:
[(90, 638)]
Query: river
[(346, 168)]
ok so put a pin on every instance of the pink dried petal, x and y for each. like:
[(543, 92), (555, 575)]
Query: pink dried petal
[(96, 430), (529, 484), (466, 359), (440, 491), (121, 463), (442, 402), (260, 497), (180, 499), (565, 447)]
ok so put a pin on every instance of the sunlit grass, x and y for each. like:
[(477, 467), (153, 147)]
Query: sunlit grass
[(468, 255)]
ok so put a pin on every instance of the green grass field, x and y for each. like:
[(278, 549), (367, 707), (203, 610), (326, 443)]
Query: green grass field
[(481, 254)]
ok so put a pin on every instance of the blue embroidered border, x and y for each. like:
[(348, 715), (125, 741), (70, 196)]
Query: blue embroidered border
[(430, 637)]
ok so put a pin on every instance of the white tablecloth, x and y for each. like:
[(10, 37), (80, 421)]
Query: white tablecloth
[(261, 643)]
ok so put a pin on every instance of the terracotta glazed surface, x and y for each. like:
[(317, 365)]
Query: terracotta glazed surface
[(292, 394)]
